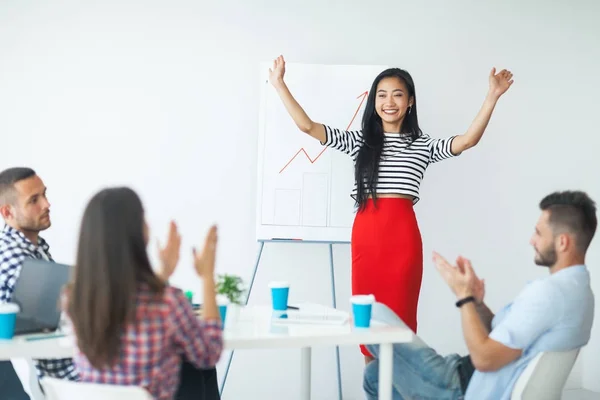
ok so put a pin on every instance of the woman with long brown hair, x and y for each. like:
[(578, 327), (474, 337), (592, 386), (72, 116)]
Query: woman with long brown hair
[(131, 327)]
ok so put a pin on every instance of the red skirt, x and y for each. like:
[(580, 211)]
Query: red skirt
[(387, 257)]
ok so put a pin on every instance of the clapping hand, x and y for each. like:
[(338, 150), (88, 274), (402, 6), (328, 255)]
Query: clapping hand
[(205, 261), (461, 278)]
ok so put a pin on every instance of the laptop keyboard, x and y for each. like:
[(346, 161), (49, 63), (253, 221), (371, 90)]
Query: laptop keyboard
[(27, 325)]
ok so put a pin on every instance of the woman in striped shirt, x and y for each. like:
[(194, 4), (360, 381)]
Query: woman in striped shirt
[(391, 155), (131, 327)]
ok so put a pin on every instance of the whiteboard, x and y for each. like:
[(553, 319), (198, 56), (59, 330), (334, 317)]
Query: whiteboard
[(304, 189)]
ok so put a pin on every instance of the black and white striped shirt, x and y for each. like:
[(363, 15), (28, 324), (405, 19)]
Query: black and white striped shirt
[(402, 166)]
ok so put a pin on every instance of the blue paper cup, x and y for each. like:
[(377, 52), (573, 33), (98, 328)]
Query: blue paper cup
[(362, 306), (280, 292), (222, 303), (223, 312), (8, 317)]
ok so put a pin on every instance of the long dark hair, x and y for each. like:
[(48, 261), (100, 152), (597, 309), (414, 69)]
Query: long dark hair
[(111, 264), (369, 154)]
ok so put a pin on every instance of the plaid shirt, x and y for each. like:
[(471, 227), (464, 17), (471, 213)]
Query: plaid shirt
[(164, 333), (14, 249)]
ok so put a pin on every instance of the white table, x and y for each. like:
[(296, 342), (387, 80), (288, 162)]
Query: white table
[(254, 329)]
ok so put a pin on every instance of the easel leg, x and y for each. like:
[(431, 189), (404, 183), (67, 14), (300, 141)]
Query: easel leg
[(260, 249), (337, 348)]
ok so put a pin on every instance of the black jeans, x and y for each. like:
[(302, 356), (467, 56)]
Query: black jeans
[(10, 384), (465, 370), (197, 384)]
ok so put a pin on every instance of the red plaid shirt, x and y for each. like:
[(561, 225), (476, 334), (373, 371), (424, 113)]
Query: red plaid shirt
[(152, 348)]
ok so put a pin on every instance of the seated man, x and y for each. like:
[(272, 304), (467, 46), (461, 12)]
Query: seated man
[(550, 314), (26, 212)]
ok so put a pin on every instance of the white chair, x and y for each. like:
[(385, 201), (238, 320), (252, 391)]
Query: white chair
[(60, 389), (545, 376)]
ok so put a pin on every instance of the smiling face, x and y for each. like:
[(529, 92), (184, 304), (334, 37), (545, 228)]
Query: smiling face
[(392, 101)]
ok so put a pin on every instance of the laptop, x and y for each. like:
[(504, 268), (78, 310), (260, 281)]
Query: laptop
[(37, 293)]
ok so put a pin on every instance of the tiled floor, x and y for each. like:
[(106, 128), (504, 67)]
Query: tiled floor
[(580, 394)]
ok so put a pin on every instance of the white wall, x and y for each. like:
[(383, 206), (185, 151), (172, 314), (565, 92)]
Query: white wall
[(163, 96)]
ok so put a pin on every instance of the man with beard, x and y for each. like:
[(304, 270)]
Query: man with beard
[(26, 212), (554, 313)]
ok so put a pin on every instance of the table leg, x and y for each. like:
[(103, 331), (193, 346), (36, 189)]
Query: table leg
[(305, 362), (386, 366)]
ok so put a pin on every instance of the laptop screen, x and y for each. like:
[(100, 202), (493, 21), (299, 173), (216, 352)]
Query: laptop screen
[(38, 291)]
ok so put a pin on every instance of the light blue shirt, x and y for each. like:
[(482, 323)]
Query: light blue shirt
[(550, 314)]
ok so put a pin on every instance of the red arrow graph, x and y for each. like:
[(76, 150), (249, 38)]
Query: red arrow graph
[(362, 98)]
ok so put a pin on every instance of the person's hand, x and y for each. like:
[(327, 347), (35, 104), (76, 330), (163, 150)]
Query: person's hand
[(461, 279), (169, 255), (205, 261), (277, 72), (478, 284), (499, 82)]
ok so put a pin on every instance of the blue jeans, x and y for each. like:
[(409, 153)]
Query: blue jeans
[(419, 371)]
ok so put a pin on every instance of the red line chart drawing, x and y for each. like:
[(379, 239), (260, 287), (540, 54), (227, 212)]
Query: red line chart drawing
[(362, 96)]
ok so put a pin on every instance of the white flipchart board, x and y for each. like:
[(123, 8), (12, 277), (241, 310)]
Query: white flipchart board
[(303, 187)]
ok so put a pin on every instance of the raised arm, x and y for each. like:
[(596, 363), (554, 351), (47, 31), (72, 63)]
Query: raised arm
[(205, 267), (499, 84), (535, 311), (485, 315), (531, 314), (201, 340), (301, 119)]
